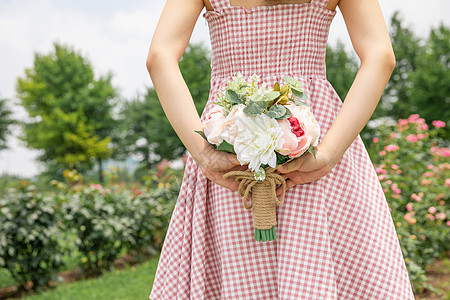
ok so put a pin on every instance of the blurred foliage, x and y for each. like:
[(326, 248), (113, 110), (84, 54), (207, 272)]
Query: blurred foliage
[(30, 237), (69, 110), (6, 121), (146, 131), (91, 224), (419, 82), (413, 164), (341, 68)]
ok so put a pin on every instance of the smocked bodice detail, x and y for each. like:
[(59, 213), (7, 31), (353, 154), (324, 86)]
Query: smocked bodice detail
[(256, 40)]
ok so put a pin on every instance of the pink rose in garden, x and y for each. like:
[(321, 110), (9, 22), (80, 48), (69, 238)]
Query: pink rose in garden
[(402, 122), (411, 138), (441, 216), (392, 135), (412, 118), (391, 148), (438, 123), (432, 209), (439, 197), (382, 152), (96, 186), (447, 182), (417, 197), (394, 166), (410, 219), (420, 136), (448, 223), (431, 217), (425, 182), (375, 140), (409, 206)]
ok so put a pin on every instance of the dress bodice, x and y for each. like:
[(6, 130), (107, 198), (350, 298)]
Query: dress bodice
[(287, 39)]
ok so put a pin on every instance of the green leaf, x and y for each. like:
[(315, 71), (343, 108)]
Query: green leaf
[(226, 147), (281, 159), (298, 102), (256, 97), (299, 93), (232, 96), (255, 107), (312, 151), (272, 95), (277, 111), (202, 134), (293, 83)]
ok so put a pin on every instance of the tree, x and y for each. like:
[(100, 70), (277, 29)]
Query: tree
[(70, 110), (419, 82), (341, 68), (146, 130), (5, 122)]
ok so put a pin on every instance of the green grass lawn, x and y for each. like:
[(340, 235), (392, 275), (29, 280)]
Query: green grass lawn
[(131, 283)]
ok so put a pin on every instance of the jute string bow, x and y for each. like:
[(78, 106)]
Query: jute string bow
[(262, 195)]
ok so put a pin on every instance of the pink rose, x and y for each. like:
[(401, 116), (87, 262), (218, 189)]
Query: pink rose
[(411, 138), (391, 147), (438, 123), (218, 128), (299, 131)]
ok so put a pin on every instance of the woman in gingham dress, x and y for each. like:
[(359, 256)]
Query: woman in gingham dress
[(335, 235)]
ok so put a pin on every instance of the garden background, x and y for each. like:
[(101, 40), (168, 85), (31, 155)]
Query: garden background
[(109, 166)]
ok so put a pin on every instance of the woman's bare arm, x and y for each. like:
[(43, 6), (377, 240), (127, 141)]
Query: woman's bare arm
[(169, 42), (370, 39), (372, 44)]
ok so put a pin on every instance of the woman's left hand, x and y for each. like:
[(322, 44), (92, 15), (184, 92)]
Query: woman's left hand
[(305, 168)]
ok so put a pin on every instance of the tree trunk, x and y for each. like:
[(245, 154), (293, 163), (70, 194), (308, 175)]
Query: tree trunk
[(100, 170)]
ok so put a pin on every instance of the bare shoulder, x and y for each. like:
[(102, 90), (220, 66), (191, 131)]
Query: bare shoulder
[(332, 4)]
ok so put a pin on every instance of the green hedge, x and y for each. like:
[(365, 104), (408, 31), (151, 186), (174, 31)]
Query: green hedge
[(37, 230)]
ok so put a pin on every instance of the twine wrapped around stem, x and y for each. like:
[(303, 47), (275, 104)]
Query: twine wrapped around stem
[(262, 197)]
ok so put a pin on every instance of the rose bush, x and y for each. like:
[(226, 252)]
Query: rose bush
[(413, 167)]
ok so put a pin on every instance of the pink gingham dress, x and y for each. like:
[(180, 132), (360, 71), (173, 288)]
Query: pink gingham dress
[(335, 236)]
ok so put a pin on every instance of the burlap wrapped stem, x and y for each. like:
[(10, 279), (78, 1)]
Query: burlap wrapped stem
[(262, 197)]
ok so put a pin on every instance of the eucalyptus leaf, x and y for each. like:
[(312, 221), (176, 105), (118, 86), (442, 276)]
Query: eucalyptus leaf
[(286, 115), (294, 83), (256, 97), (298, 102), (277, 111), (255, 107), (232, 96), (272, 95), (299, 93)]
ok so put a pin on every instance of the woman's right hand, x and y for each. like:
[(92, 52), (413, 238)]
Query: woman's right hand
[(214, 164)]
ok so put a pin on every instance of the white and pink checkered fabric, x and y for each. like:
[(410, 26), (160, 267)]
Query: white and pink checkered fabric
[(335, 236)]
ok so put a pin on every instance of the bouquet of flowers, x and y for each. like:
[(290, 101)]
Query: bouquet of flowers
[(264, 128)]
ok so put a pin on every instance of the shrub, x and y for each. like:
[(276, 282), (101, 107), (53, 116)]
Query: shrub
[(94, 214), (30, 232), (414, 171)]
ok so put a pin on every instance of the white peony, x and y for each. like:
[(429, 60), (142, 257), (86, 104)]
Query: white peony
[(257, 138)]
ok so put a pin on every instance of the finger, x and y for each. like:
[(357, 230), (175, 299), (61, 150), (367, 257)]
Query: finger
[(291, 166), (233, 159)]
